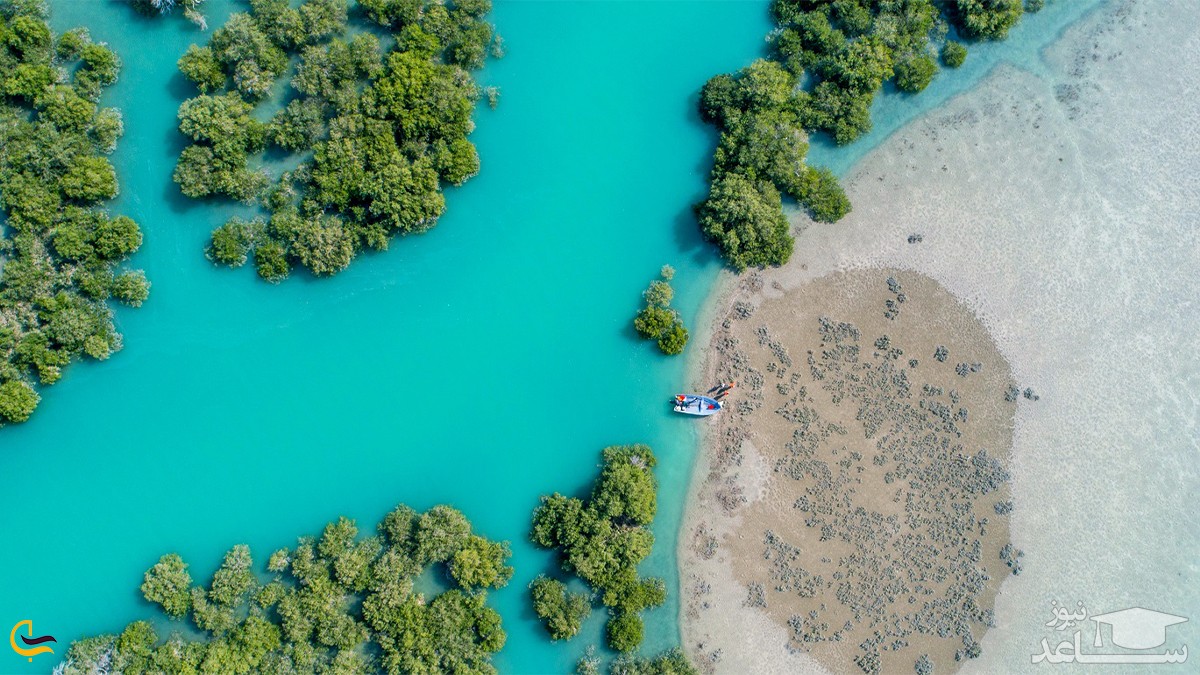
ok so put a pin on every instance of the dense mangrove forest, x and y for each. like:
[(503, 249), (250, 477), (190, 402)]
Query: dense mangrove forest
[(338, 603), (828, 60), (411, 598), (62, 254), (376, 114)]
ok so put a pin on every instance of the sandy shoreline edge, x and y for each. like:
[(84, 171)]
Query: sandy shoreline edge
[(759, 638)]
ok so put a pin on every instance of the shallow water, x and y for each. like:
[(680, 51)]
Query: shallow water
[(482, 364), (893, 108)]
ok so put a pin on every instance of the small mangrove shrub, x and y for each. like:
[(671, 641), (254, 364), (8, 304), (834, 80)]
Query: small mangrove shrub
[(562, 611), (656, 320)]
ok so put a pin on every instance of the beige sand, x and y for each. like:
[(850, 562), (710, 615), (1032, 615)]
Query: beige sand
[(851, 488)]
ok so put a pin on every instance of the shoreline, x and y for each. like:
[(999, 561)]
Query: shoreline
[(760, 636), (1057, 206)]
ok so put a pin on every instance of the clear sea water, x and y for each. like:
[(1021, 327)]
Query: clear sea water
[(482, 364)]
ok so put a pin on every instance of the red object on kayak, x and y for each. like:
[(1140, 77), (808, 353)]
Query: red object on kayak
[(695, 404)]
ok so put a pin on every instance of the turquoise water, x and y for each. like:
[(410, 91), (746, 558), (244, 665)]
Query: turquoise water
[(482, 364)]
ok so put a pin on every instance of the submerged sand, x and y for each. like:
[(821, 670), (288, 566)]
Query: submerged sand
[(1058, 207)]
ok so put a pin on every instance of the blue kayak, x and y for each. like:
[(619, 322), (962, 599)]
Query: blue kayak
[(695, 404)]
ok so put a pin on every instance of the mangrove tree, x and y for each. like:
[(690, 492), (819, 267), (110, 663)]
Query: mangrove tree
[(337, 603), (61, 254), (377, 117)]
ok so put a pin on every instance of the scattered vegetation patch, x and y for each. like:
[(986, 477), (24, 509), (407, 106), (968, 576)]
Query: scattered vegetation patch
[(61, 253), (670, 662), (656, 320), (335, 604)]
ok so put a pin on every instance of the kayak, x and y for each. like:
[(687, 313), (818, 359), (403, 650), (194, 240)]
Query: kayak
[(695, 404)]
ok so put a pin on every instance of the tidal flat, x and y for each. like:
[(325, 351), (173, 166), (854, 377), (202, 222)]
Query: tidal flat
[(857, 491), (1057, 202)]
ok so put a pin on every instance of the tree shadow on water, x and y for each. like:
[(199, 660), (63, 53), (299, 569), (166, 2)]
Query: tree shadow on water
[(135, 12), (688, 237), (687, 229), (180, 88), (173, 143)]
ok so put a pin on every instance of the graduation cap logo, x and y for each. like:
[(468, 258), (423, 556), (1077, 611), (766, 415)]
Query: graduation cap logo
[(1136, 627)]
